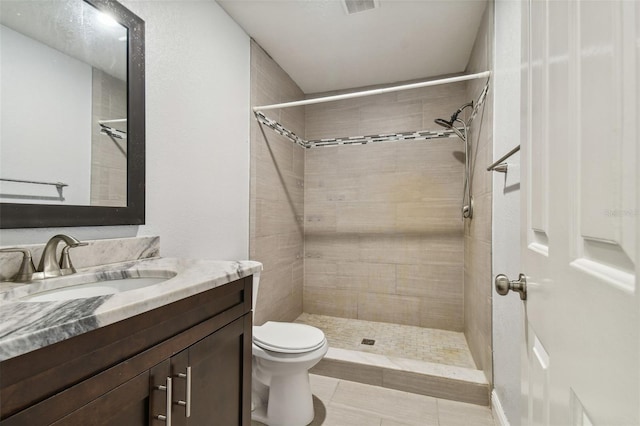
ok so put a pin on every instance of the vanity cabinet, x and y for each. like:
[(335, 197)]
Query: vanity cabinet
[(118, 374)]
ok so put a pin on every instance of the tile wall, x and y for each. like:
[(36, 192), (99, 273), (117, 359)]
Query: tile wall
[(477, 232), (277, 194), (383, 231), (108, 156)]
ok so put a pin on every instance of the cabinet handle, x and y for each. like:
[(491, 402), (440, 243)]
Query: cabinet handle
[(168, 389), (187, 403)]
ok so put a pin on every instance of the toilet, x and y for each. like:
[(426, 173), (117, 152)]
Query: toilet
[(283, 353)]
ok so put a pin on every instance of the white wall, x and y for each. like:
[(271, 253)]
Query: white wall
[(197, 120), (507, 310), (197, 129), (40, 82)]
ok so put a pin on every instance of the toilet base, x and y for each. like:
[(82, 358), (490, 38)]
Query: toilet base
[(289, 401)]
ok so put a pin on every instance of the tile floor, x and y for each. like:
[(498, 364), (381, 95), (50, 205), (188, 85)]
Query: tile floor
[(343, 403), (394, 340)]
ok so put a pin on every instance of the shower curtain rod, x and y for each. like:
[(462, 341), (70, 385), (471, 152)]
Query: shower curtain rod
[(374, 91)]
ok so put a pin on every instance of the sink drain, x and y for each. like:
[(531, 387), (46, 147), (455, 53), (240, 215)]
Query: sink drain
[(369, 342)]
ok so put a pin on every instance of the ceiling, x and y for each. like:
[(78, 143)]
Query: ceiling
[(323, 48)]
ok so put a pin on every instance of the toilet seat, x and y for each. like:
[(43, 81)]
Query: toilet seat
[(288, 338)]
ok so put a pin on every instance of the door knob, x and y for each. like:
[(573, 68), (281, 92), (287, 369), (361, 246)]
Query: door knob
[(503, 285)]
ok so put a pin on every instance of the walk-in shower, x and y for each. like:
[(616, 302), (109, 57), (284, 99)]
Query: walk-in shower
[(467, 200), (356, 199)]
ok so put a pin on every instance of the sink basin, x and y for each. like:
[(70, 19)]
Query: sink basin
[(93, 285)]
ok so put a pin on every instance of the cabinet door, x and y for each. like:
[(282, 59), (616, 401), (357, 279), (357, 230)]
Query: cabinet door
[(220, 378), (126, 405)]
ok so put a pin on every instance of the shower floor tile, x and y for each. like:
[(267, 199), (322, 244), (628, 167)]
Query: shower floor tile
[(394, 340)]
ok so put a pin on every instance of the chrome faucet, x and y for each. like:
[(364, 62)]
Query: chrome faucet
[(49, 265)]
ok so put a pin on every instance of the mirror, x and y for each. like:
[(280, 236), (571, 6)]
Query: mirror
[(72, 136)]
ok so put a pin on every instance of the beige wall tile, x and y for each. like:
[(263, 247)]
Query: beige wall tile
[(365, 217), (321, 280), (429, 247), (443, 313), (433, 93), (444, 281), (265, 91), (274, 295), (325, 121), (435, 155), (321, 161), (481, 178), (320, 218), (363, 160), (477, 261), (276, 150), (437, 214), (410, 186), (388, 308), (374, 277), (293, 118), (265, 251), (298, 161), (320, 266), (480, 226), (388, 105), (331, 301), (376, 125), (108, 156), (275, 217), (277, 195), (336, 247)]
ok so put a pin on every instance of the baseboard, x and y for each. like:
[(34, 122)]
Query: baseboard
[(498, 412)]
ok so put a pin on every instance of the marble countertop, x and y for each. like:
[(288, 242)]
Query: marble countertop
[(26, 326)]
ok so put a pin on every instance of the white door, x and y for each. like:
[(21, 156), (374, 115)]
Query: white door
[(580, 213)]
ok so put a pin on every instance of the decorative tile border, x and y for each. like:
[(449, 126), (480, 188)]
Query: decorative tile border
[(479, 103), (387, 137), (352, 140), (363, 140), (279, 128)]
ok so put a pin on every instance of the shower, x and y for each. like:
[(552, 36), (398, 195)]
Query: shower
[(467, 200)]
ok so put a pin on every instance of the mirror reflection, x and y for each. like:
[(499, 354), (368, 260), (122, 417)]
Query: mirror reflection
[(63, 79)]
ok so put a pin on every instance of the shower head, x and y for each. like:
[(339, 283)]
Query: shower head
[(449, 124), (444, 123)]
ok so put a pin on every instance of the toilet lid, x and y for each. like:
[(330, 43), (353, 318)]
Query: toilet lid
[(286, 337)]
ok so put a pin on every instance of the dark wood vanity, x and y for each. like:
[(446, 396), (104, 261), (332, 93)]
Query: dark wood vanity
[(119, 374)]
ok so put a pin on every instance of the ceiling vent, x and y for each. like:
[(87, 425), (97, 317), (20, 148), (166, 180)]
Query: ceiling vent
[(356, 6)]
